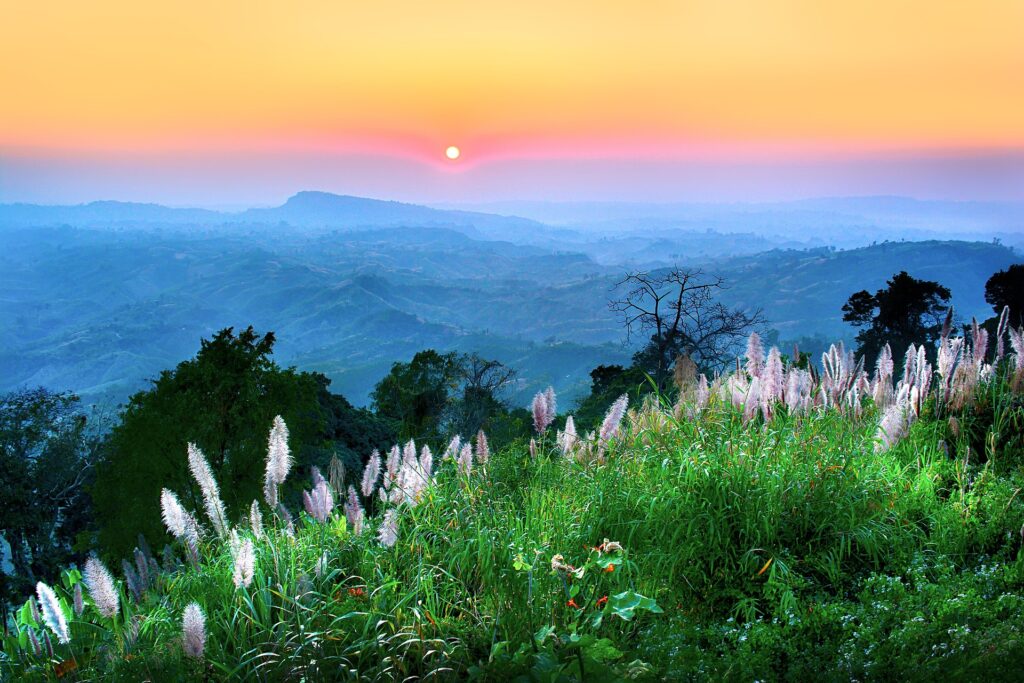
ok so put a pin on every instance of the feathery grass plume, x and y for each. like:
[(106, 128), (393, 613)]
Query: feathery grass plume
[(550, 404), (755, 355), (1017, 343), (314, 474), (245, 564), (612, 419), (454, 446), (354, 511), (465, 459), (533, 448), (279, 460), (79, 600), (394, 463), (735, 389), (483, 449), (798, 388), (286, 517), (321, 565), (144, 547), (256, 519), (540, 412), (409, 453), (193, 631), (703, 392), (772, 380), (388, 532), (892, 427), (569, 438), (180, 523), (36, 619), (131, 579), (371, 473), (684, 372), (208, 485), (881, 390), (336, 475), (426, 463), (142, 568), (48, 643), (33, 642), (53, 614), (1004, 320), (323, 501), (752, 400), (175, 517), (947, 324), (101, 587), (979, 341)]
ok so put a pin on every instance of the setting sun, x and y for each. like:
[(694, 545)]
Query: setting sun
[(452, 152)]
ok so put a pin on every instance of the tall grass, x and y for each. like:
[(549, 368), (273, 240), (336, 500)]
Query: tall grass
[(698, 521)]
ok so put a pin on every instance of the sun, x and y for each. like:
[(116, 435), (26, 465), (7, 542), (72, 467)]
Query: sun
[(453, 152)]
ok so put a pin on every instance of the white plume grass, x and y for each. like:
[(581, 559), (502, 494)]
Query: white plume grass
[(52, 612), (193, 631), (245, 564), (102, 589), (371, 473), (200, 469), (279, 461)]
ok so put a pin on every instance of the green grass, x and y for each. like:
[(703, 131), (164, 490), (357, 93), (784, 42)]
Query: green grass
[(781, 551)]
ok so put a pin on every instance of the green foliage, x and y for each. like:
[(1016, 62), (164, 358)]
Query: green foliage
[(223, 400), (779, 550), (47, 449), (436, 396), (415, 394), (352, 432), (608, 382)]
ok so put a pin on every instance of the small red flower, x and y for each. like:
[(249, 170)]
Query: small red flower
[(572, 603), (609, 569), (602, 601), (357, 592)]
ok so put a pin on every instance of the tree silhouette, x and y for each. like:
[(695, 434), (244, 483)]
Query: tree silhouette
[(907, 311), (678, 308), (1006, 288)]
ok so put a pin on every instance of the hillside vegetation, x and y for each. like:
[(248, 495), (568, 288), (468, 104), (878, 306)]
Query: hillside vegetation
[(101, 311), (777, 523)]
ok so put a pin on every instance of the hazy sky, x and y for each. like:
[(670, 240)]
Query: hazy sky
[(242, 103)]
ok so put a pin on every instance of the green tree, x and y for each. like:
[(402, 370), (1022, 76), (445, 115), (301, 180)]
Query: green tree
[(416, 394), (1006, 288), (608, 383), (353, 432), (907, 311), (223, 400), (480, 401), (47, 451)]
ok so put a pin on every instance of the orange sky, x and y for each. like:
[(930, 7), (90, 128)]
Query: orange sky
[(511, 79)]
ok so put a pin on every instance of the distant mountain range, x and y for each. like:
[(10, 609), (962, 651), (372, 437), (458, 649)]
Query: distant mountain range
[(99, 297), (305, 209)]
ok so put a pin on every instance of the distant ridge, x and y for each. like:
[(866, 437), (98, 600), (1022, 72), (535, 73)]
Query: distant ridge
[(304, 209)]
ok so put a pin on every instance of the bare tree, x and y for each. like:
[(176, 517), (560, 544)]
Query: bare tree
[(482, 382), (480, 374), (678, 308)]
